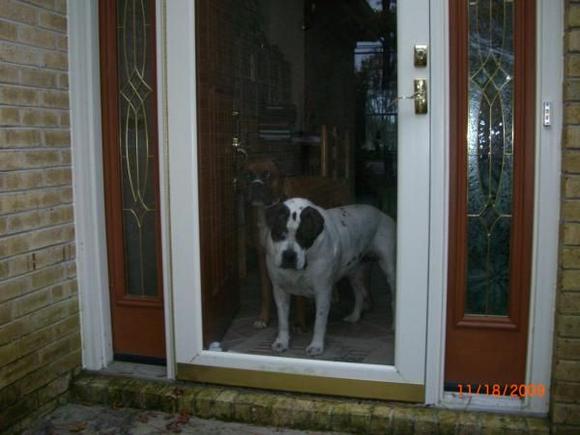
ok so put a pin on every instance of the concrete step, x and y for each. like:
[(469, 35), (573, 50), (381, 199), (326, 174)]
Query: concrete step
[(294, 411)]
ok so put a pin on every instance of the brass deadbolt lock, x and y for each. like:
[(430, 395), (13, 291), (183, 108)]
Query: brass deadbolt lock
[(420, 57)]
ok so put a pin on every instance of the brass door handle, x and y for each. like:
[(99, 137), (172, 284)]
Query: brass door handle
[(420, 96)]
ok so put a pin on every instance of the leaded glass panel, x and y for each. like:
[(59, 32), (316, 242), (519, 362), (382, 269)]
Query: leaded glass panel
[(135, 73), (489, 155)]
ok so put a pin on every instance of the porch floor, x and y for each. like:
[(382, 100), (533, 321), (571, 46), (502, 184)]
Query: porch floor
[(370, 340)]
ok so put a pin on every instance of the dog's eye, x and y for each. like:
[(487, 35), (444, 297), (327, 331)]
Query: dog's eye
[(266, 175), (279, 236), (250, 175)]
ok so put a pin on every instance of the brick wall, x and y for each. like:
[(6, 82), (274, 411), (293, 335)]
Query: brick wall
[(39, 321), (565, 406)]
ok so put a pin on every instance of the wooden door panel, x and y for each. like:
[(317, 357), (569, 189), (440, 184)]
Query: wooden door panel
[(486, 344), (130, 157)]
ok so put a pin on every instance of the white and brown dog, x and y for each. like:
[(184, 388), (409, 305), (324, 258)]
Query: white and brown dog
[(266, 188), (309, 249)]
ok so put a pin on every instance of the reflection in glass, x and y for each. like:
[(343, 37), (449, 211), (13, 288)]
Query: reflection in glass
[(312, 86), (489, 155)]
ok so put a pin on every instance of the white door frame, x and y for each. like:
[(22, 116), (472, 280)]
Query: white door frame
[(89, 203)]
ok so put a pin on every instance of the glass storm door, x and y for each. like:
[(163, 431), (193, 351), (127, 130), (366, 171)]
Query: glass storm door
[(302, 99), (492, 67), (130, 157)]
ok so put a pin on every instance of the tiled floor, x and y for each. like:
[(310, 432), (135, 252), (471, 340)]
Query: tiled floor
[(371, 340)]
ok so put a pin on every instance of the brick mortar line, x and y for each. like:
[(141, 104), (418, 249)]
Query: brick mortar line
[(24, 212), (58, 397), (35, 229), (37, 25), (27, 317), (37, 126), (30, 86), (57, 186), (34, 189), (48, 207), (35, 148), (35, 6), (23, 106), (34, 250), (38, 67), (50, 378), (40, 108), (25, 148), (61, 245), (35, 167), (48, 305), (23, 318), (40, 364), (58, 204), (36, 47), (43, 247), (25, 128), (571, 382), (66, 262)]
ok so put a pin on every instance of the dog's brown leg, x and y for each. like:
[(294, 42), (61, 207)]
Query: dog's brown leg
[(300, 314), (266, 292)]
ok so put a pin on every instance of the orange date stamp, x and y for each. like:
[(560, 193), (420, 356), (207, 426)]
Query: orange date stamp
[(518, 391)]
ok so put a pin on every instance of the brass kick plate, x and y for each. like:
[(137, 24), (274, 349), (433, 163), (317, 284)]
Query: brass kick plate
[(420, 57)]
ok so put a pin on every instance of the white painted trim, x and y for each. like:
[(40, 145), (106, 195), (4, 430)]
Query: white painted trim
[(439, 206), (182, 145), (87, 167), (164, 186), (412, 275), (546, 227), (550, 64)]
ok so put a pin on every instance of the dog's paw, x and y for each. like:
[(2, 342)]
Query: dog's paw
[(352, 318), (315, 349), (260, 324), (279, 346)]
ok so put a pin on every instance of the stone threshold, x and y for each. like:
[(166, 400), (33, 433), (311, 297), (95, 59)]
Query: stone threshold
[(290, 410)]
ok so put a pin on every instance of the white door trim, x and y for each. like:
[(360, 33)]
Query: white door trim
[(91, 241), (87, 167), (549, 66)]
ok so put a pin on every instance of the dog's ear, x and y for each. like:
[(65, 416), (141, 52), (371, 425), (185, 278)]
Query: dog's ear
[(311, 225), (277, 220)]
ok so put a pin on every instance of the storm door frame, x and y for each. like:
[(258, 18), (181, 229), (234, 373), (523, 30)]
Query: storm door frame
[(402, 381)]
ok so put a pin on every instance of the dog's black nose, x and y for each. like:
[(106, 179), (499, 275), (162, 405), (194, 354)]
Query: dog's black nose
[(289, 259)]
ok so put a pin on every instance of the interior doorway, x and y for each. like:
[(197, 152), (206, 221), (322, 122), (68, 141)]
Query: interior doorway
[(301, 98)]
